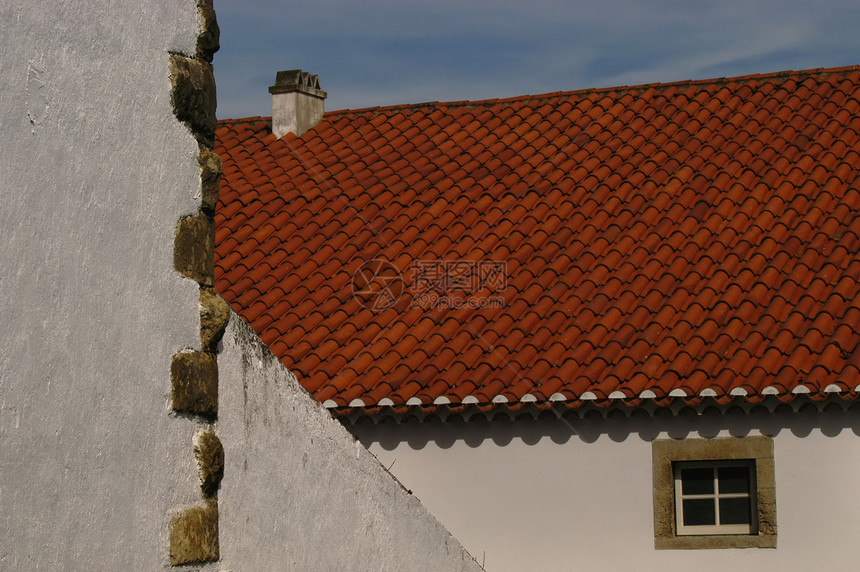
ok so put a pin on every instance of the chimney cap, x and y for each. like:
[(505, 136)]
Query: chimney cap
[(296, 80)]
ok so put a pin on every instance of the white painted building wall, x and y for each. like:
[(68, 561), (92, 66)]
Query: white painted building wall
[(576, 494), (95, 171)]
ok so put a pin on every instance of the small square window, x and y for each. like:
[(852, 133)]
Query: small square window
[(715, 497), (714, 493)]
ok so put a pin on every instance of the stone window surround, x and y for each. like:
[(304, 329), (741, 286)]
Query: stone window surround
[(664, 452)]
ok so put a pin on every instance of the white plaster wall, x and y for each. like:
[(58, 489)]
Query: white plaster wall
[(299, 492), (94, 173), (576, 494)]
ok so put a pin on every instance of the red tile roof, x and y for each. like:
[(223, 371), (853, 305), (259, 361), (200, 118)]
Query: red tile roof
[(695, 239)]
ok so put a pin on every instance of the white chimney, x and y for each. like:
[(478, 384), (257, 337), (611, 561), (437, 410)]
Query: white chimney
[(298, 102)]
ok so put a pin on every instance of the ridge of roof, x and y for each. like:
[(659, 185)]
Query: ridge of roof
[(572, 93)]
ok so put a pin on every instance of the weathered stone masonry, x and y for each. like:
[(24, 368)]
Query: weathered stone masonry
[(194, 372)]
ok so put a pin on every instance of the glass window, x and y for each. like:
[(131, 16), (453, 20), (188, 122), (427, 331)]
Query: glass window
[(714, 497)]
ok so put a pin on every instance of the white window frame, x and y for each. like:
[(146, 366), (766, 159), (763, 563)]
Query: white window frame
[(683, 529)]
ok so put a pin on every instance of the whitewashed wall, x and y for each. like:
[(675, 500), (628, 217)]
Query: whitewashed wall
[(576, 495), (299, 492), (95, 171)]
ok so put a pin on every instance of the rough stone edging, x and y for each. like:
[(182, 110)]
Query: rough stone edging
[(193, 529)]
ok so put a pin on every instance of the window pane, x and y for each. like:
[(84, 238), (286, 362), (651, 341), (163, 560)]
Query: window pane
[(734, 479), (697, 481), (699, 511), (735, 511)]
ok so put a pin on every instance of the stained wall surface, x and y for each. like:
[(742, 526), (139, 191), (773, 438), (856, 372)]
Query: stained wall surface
[(299, 492), (95, 171), (576, 494)]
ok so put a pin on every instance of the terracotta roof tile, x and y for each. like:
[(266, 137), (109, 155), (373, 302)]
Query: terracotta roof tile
[(662, 237)]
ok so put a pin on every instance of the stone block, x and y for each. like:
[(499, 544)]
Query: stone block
[(210, 461), (214, 315), (194, 535), (193, 96), (194, 378), (194, 248), (210, 179), (209, 39)]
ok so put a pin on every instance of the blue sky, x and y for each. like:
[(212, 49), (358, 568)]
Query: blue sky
[(386, 52)]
